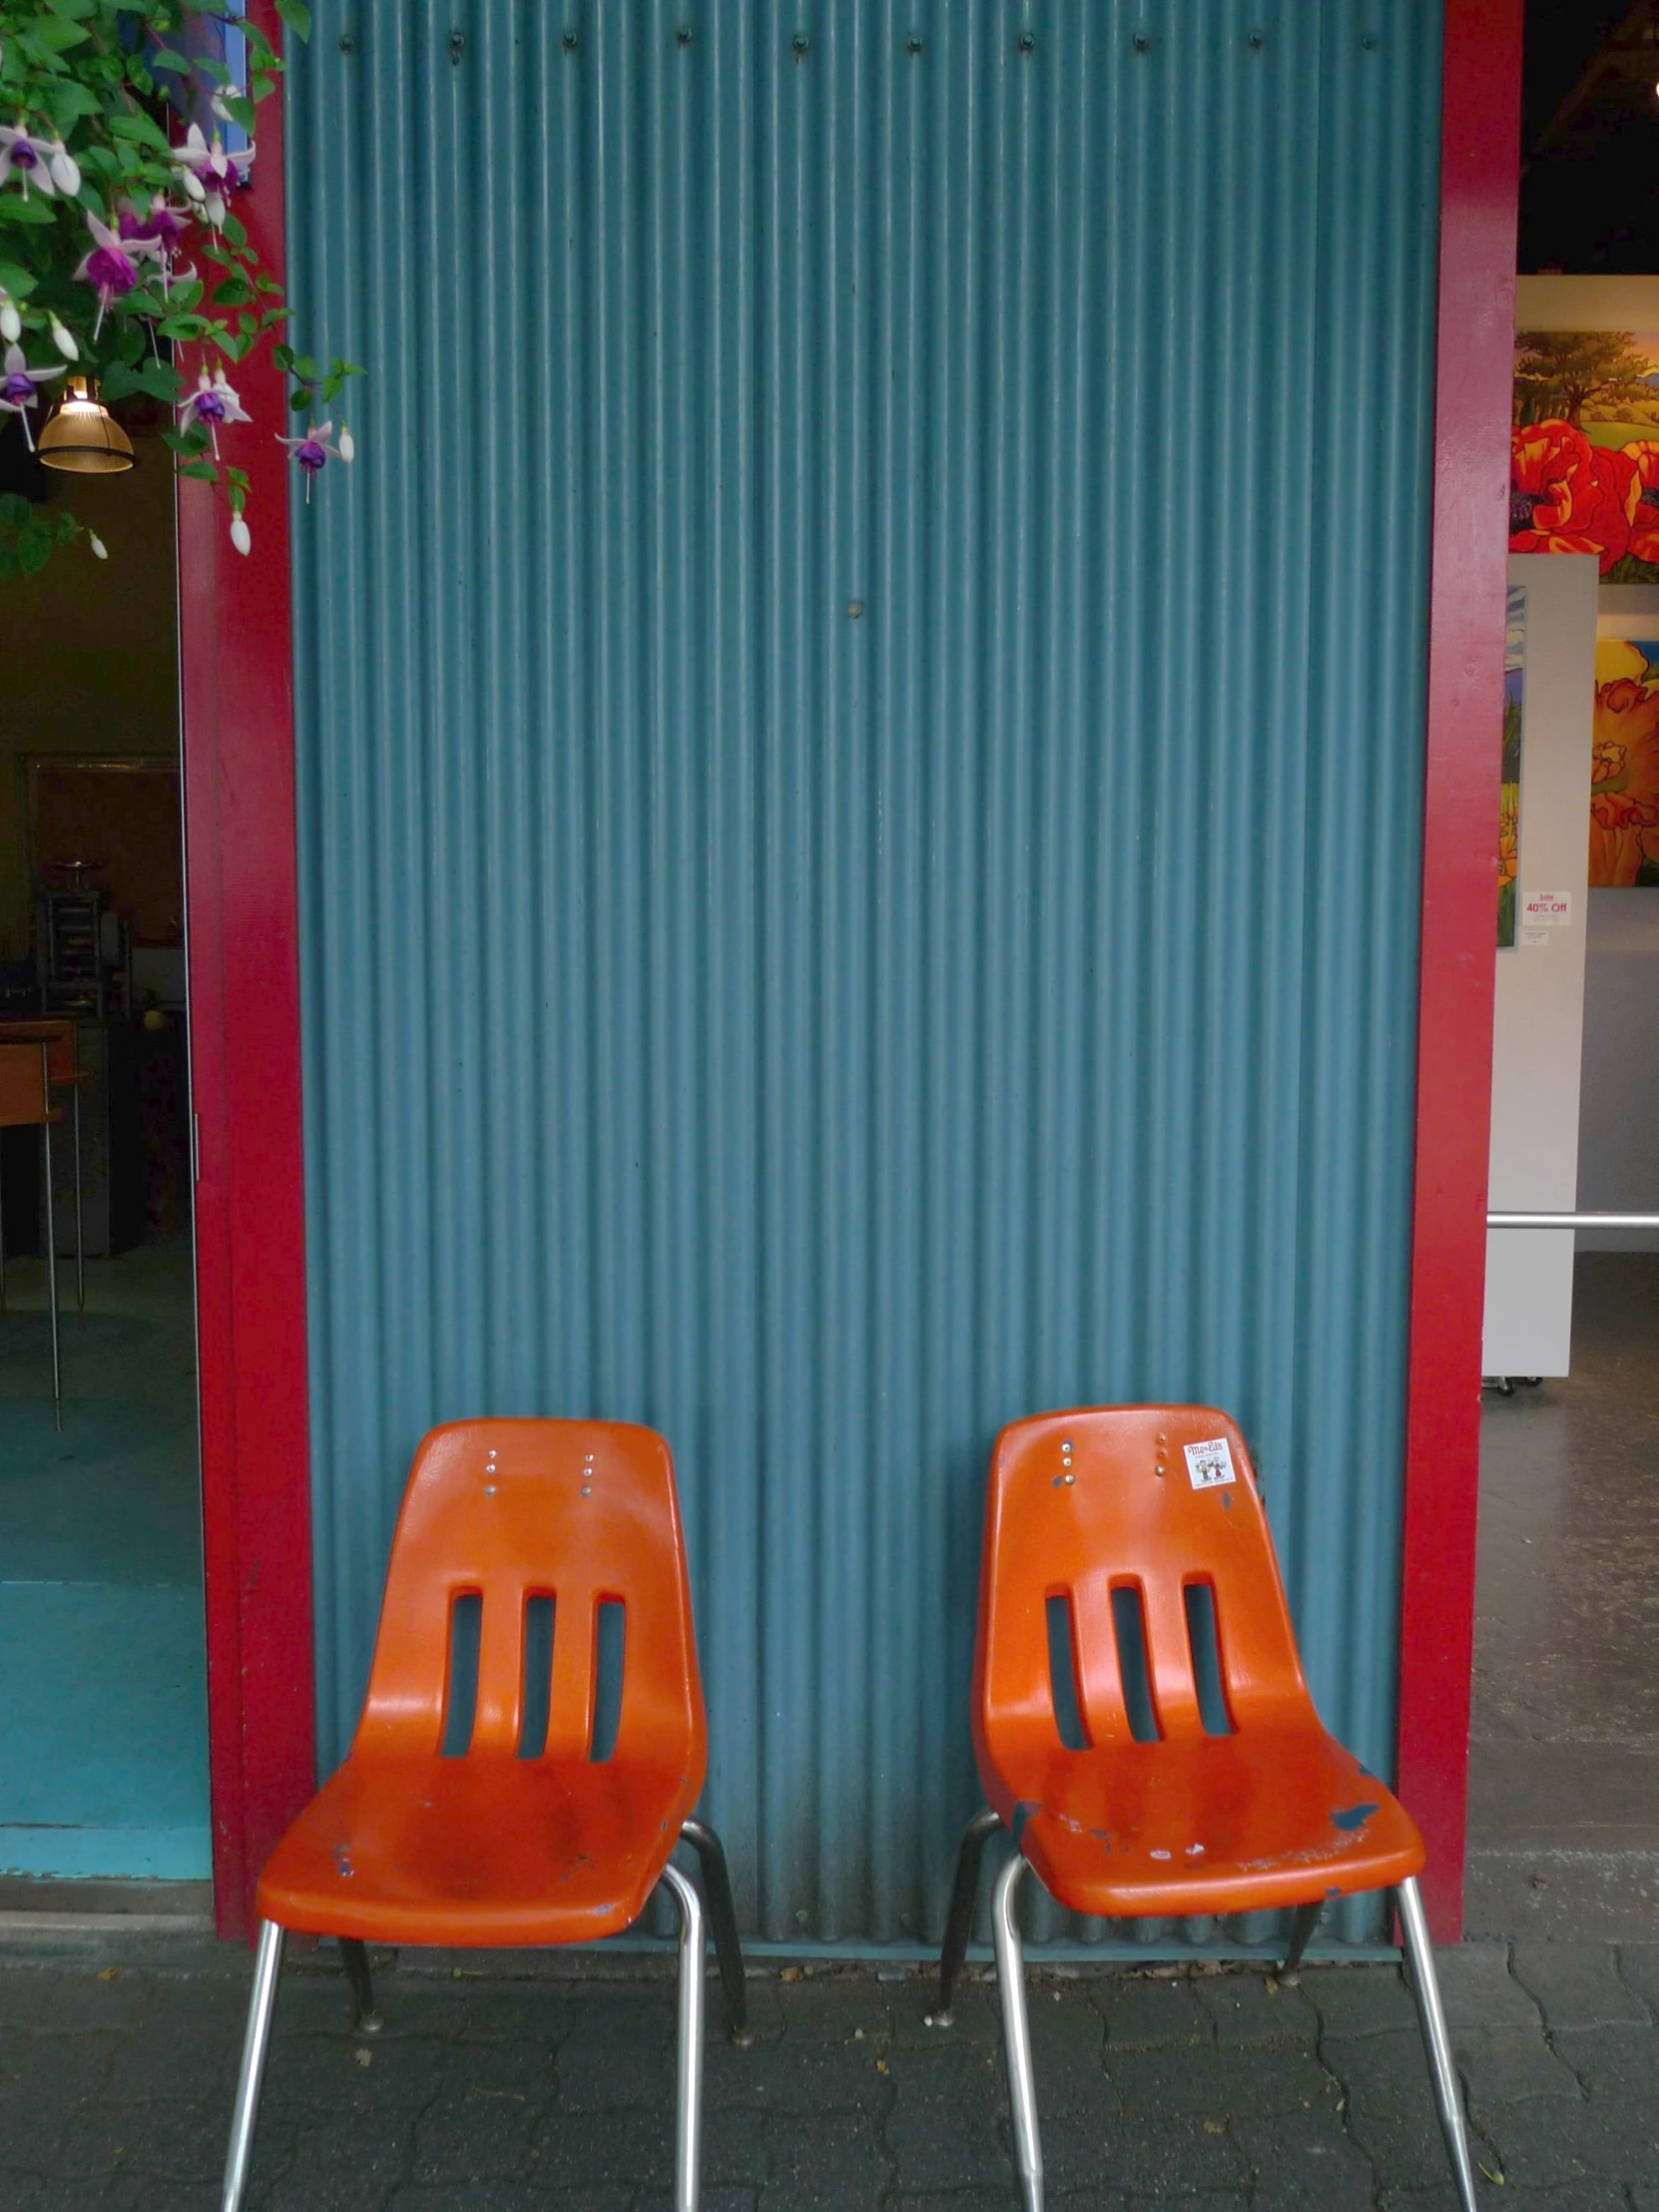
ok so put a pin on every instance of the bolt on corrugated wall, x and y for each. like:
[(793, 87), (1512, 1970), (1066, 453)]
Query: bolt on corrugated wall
[(862, 725)]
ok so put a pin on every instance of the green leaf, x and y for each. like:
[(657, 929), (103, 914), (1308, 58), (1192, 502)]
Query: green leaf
[(297, 16), (15, 510), (242, 111), (33, 550), (32, 214), (204, 472), (18, 281), (299, 401), (57, 36), (231, 292), (233, 232)]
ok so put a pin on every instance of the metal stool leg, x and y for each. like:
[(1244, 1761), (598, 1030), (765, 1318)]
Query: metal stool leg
[(80, 1249), (52, 1276), (1426, 1988), (959, 1921), (1301, 1934), (354, 1957), (1016, 2033), (266, 1969), (723, 1919), (687, 2116)]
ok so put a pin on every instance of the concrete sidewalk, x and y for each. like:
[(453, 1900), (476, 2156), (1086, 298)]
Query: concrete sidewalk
[(1208, 2089)]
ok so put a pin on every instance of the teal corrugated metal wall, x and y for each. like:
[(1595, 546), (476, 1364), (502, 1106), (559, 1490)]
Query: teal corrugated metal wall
[(861, 737)]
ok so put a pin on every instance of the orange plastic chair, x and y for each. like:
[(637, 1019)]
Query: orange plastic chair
[(61, 1035), (479, 1805), (1141, 1721), (26, 1103)]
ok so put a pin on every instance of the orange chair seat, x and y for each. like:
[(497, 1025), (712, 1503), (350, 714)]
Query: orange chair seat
[(1210, 1824), (477, 1852)]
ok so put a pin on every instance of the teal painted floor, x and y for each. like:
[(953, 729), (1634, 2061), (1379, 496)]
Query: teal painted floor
[(103, 1676)]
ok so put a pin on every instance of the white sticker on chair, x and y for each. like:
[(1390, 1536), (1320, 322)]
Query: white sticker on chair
[(1210, 1466)]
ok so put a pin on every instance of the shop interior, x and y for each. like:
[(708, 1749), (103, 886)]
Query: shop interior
[(1565, 1758), (102, 1732)]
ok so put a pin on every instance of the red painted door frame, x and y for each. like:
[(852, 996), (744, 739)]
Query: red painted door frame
[(237, 662), (236, 648), (1474, 370)]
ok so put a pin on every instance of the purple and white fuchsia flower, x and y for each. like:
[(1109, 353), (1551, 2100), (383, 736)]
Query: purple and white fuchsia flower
[(112, 265), (210, 403), (313, 451), (17, 386), (46, 164), (208, 172), (162, 228)]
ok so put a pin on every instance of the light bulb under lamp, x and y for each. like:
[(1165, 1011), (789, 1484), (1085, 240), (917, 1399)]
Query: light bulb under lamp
[(83, 436)]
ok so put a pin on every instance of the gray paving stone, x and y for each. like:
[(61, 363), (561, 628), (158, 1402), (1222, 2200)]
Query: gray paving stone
[(39, 2193), (1252, 2009), (1217, 2083), (1304, 2163), (1578, 1985), (71, 1999), (1141, 2157), (1143, 2014), (479, 2134), (597, 2076), (1358, 2001), (1639, 1970), (826, 2154), (942, 2130), (1613, 2061), (310, 2162), (1478, 1990), (1594, 2196), (167, 2142), (1508, 2066), (1546, 2144), (507, 2196), (835, 2008)]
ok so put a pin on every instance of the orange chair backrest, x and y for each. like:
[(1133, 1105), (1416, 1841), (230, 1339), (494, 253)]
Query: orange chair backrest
[(56, 1033), (22, 1086), (509, 1512), (1152, 1500)]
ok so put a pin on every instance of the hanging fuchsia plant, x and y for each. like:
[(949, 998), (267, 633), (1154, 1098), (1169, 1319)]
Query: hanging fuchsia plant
[(120, 246)]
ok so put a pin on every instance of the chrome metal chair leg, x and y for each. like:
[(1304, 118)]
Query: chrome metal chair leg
[(959, 1921), (366, 2015), (80, 1247), (52, 1272), (1016, 2033), (1426, 1988), (1306, 1921), (723, 1922), (268, 1967), (688, 2113)]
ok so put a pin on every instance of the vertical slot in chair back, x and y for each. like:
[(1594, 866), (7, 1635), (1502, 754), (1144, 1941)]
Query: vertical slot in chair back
[(517, 1535), (1146, 1522)]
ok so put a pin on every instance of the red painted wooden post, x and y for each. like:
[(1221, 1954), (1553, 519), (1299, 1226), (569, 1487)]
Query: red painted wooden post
[(1475, 370), (236, 643)]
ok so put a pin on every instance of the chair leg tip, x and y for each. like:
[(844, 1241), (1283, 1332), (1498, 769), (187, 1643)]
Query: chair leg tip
[(743, 2038), (369, 2024), (942, 2018)]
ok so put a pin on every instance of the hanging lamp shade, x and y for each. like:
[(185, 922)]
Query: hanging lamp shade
[(83, 436)]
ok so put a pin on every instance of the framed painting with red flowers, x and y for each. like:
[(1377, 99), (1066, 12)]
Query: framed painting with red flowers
[(1584, 455), (1624, 765)]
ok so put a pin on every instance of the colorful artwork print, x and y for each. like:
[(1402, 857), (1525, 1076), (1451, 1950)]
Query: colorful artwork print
[(1584, 449), (1508, 817), (1624, 765)]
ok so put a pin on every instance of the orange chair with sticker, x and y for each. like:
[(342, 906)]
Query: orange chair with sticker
[(504, 1786), (1143, 1729)]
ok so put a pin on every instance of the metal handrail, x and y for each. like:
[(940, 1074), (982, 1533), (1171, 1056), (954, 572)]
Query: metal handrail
[(1572, 1221)]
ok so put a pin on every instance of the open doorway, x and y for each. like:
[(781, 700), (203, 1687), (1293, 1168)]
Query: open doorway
[(102, 1730)]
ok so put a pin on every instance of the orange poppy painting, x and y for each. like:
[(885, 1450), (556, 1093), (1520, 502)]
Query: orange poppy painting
[(1624, 764), (1584, 450)]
